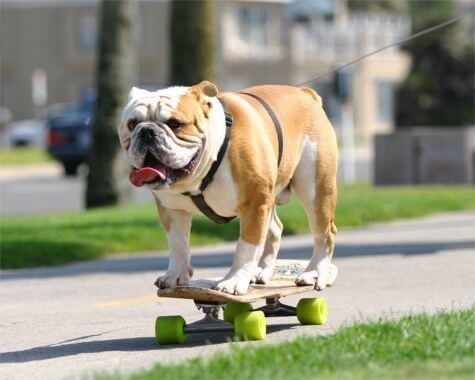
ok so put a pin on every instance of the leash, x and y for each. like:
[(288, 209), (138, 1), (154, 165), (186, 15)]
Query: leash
[(198, 199), (399, 42)]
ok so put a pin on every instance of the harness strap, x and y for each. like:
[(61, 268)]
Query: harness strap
[(222, 151), (199, 199), (275, 120), (200, 202)]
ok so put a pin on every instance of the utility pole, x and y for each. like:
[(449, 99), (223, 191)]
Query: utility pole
[(343, 91)]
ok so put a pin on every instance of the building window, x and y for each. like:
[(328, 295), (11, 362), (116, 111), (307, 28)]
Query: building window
[(253, 25), (385, 95), (252, 32), (87, 37)]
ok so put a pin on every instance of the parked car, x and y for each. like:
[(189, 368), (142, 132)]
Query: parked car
[(69, 133), (5, 119), (29, 132)]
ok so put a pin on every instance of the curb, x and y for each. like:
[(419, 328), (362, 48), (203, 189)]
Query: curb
[(27, 171)]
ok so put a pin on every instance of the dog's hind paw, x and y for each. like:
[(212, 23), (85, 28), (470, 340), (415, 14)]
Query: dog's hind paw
[(312, 278), (320, 281), (307, 278)]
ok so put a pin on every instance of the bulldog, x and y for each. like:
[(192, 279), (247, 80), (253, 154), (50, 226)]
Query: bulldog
[(280, 140)]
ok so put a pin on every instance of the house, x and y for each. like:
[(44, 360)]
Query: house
[(48, 52)]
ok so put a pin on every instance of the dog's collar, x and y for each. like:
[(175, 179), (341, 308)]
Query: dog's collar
[(198, 199)]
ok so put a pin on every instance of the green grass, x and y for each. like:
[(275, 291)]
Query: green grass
[(24, 155), (62, 238), (416, 347)]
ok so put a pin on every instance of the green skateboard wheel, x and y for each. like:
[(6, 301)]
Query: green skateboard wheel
[(170, 329), (250, 325), (234, 308), (312, 311)]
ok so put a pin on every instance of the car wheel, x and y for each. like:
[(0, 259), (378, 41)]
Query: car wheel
[(70, 168)]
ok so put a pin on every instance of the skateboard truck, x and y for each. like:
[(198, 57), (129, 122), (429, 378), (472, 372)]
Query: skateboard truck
[(210, 322), (274, 308)]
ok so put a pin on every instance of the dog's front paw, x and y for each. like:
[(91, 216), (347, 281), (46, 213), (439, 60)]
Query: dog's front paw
[(174, 278), (255, 275), (236, 284), (264, 275)]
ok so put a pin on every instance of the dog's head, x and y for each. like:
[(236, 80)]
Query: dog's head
[(164, 132)]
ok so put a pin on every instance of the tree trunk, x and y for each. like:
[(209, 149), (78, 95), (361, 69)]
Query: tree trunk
[(192, 42), (114, 76)]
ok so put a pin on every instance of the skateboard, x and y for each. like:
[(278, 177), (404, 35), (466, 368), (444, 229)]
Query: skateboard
[(238, 315)]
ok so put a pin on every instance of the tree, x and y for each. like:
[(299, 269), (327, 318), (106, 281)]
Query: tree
[(439, 90), (114, 75), (385, 6), (192, 41)]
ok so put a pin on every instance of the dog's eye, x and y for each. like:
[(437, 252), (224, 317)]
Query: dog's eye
[(132, 124), (173, 123)]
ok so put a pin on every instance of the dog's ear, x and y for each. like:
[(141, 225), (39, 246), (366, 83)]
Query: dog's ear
[(209, 90), (136, 92), (206, 88)]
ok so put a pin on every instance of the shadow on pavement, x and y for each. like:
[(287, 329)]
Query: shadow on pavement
[(143, 263), (122, 345)]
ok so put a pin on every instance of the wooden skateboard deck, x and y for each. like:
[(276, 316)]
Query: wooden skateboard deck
[(282, 284)]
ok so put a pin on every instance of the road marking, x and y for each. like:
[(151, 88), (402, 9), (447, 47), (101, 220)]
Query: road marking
[(130, 301)]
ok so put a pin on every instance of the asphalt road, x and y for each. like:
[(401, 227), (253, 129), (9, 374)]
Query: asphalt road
[(43, 188), (78, 319)]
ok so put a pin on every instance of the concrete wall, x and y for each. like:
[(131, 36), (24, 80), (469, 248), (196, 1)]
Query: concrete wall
[(425, 156)]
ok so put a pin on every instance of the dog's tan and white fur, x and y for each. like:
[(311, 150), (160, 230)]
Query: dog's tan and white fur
[(249, 182)]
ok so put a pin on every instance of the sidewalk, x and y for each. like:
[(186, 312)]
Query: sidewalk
[(78, 319), (27, 171)]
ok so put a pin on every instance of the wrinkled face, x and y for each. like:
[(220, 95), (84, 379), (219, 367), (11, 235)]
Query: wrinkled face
[(164, 132)]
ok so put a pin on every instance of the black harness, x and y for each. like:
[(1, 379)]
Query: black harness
[(275, 120), (199, 199)]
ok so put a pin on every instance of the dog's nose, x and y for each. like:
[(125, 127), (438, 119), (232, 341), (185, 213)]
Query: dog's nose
[(147, 134)]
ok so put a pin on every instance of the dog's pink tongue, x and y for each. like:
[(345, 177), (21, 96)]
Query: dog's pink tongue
[(140, 176)]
